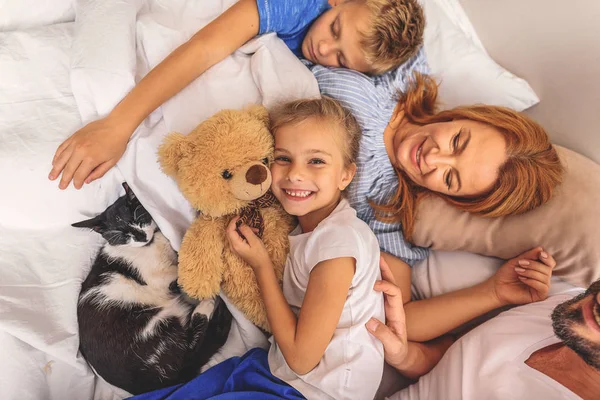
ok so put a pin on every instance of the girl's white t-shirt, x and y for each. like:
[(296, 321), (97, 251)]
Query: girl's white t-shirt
[(352, 365), (488, 363)]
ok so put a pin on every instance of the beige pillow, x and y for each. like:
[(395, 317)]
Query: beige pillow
[(568, 226)]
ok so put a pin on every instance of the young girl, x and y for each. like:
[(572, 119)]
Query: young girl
[(320, 345)]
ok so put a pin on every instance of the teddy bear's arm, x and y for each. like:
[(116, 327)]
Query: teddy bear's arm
[(201, 258)]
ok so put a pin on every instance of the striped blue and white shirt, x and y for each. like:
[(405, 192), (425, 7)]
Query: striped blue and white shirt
[(372, 101)]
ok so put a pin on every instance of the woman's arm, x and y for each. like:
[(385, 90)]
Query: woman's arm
[(99, 145), (401, 273), (303, 340), (521, 280), (430, 318)]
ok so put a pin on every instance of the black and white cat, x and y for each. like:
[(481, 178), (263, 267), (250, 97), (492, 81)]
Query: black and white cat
[(137, 330)]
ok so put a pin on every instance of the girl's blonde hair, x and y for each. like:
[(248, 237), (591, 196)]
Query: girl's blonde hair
[(525, 181), (327, 110)]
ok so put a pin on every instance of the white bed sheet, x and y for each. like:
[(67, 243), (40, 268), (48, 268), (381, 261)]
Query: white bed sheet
[(52, 80)]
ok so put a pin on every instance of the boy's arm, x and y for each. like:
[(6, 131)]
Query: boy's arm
[(303, 340), (211, 44), (99, 145)]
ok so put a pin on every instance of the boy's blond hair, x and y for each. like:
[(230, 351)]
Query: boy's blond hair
[(327, 110), (395, 33)]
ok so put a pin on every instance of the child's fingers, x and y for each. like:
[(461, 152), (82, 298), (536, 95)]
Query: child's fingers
[(232, 225), (248, 234), (99, 171), (69, 171), (60, 150), (83, 171), (58, 164)]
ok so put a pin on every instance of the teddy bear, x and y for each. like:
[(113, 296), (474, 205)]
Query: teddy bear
[(222, 169)]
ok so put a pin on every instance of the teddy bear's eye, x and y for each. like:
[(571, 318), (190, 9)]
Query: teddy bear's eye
[(226, 174), (265, 161)]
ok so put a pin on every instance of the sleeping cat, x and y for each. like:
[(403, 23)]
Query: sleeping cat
[(137, 330)]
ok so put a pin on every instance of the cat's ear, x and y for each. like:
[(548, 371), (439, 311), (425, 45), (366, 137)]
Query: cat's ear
[(128, 192), (96, 224)]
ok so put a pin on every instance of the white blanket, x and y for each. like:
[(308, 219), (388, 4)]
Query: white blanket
[(52, 80)]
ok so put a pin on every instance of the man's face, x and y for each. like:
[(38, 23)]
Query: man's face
[(577, 323)]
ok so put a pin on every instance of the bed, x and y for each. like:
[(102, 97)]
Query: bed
[(60, 67)]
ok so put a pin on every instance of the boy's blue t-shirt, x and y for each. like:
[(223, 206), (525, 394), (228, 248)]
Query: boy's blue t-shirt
[(290, 19)]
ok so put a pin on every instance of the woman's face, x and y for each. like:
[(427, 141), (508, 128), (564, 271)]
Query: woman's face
[(457, 158)]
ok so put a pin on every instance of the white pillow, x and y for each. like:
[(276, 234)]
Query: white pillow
[(22, 14), (458, 60)]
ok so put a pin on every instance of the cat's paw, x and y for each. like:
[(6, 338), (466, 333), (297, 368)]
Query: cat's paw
[(205, 307)]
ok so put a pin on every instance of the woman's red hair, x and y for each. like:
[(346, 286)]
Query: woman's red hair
[(525, 181)]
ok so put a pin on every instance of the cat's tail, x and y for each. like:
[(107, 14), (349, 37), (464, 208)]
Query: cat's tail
[(208, 329)]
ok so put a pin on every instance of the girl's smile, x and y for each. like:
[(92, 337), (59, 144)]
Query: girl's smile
[(309, 172)]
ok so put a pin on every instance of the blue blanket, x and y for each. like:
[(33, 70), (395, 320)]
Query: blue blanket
[(239, 378)]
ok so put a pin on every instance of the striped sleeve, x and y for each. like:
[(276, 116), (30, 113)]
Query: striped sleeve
[(372, 101)]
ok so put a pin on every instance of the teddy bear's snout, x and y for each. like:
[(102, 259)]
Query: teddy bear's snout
[(256, 174)]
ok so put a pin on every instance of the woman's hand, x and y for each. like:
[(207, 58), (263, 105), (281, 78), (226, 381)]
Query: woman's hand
[(89, 153), (524, 279), (393, 333), (249, 247)]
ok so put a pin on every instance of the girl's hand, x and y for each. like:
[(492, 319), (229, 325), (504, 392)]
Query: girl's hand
[(524, 279), (393, 333), (249, 247), (89, 153)]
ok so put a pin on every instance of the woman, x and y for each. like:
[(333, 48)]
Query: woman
[(487, 160)]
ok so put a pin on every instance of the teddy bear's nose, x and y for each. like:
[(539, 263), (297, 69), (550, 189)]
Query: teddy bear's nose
[(256, 175)]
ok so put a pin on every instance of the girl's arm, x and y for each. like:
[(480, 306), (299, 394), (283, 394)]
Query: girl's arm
[(99, 145), (521, 280), (302, 340)]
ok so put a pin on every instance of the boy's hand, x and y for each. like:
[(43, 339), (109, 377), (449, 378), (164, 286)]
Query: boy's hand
[(524, 279), (393, 333), (89, 153), (249, 247)]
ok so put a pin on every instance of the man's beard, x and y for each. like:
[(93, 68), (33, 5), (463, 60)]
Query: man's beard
[(564, 321)]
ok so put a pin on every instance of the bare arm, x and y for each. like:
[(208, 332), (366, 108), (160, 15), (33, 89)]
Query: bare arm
[(303, 340), (211, 44), (94, 149), (520, 280), (411, 359)]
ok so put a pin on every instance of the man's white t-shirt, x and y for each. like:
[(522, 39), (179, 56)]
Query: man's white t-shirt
[(352, 365), (488, 363)]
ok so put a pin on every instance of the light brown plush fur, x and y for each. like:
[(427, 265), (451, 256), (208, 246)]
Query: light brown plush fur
[(210, 166)]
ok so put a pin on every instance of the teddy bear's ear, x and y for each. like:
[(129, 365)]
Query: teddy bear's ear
[(173, 149), (259, 112)]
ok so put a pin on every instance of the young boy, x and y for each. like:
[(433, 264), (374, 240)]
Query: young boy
[(371, 36)]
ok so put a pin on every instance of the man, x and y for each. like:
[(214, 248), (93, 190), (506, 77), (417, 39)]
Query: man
[(545, 350)]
